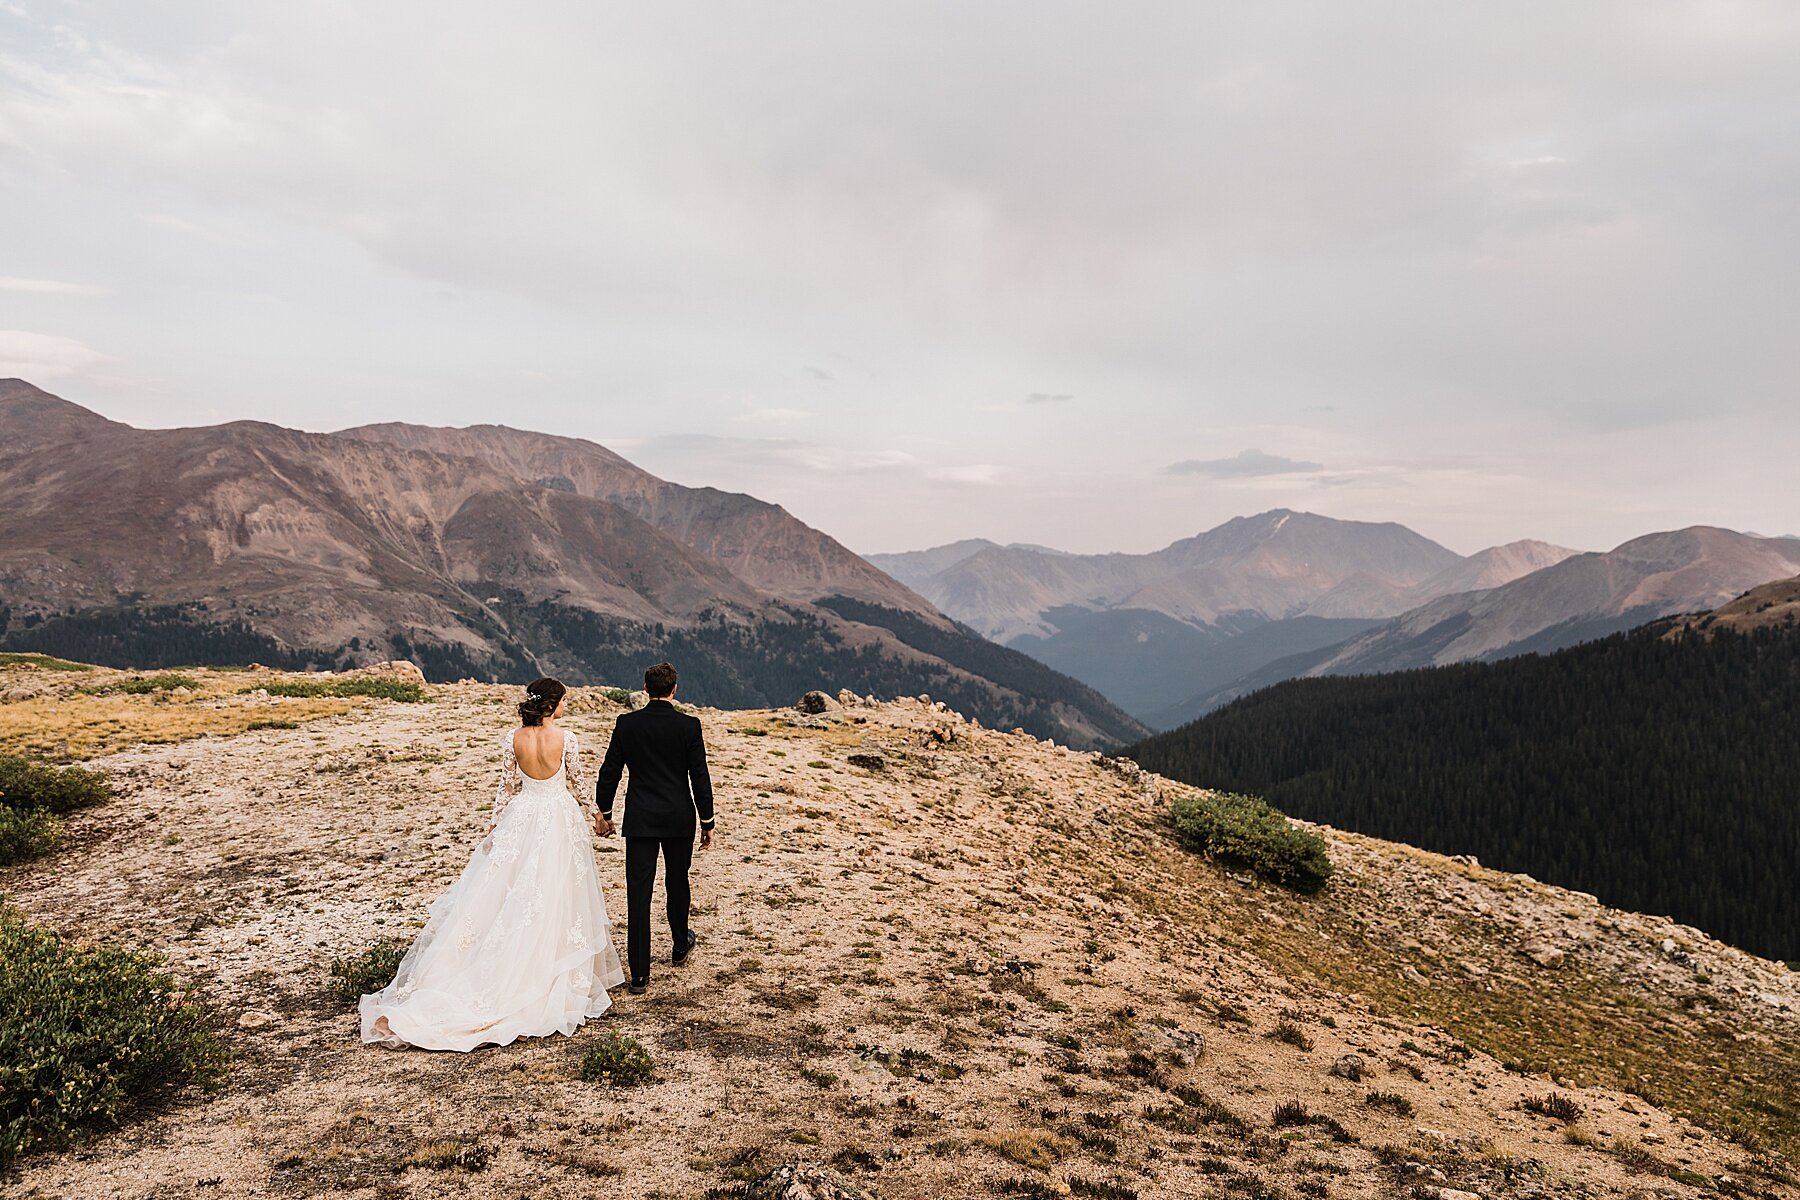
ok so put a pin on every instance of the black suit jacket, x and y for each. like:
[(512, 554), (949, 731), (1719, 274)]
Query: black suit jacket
[(663, 749)]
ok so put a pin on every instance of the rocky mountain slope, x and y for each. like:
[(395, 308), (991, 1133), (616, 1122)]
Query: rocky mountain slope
[(1655, 768), (486, 553), (944, 959), (1574, 600), (1152, 631), (1580, 598), (1771, 606)]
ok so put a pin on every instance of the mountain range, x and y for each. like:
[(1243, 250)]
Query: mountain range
[(1174, 634), (1155, 631), (491, 553), (1579, 599)]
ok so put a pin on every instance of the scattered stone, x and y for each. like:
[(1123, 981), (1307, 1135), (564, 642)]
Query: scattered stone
[(797, 1182), (1349, 1066), (255, 1020), (818, 703)]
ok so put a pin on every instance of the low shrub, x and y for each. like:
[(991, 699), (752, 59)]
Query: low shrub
[(404, 691), (617, 695), (166, 682), (1555, 1106), (1244, 831), (25, 784), (1392, 1102), (618, 1061), (42, 661), (27, 833), (89, 1037), (33, 795), (1292, 1034), (370, 971)]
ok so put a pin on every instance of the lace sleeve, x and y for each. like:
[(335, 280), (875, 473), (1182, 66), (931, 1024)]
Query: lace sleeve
[(509, 777), (577, 777)]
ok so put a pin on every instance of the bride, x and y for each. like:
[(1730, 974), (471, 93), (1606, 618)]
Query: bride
[(520, 946)]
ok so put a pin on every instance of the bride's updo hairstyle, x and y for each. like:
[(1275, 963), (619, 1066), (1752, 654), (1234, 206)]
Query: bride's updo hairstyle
[(541, 698)]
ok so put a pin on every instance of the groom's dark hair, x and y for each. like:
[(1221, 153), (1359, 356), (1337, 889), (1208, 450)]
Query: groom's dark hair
[(659, 681)]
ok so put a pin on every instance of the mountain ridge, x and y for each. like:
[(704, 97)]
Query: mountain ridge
[(156, 547)]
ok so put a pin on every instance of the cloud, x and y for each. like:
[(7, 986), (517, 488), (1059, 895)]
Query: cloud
[(972, 474), (820, 373), (703, 450), (49, 287), (772, 416), (1048, 397), (36, 357), (1244, 465)]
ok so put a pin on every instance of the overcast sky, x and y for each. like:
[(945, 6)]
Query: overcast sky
[(1097, 276)]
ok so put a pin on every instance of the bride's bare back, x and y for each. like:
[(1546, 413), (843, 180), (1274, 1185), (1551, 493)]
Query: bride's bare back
[(539, 750)]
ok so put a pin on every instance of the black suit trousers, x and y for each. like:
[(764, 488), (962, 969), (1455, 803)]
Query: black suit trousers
[(640, 882)]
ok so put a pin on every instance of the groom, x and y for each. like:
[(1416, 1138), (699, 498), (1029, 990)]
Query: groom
[(663, 750)]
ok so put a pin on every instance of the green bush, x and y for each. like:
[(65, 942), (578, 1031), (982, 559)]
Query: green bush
[(25, 784), (1244, 831), (403, 690), (89, 1036), (617, 1060), (27, 833), (166, 682), (370, 971), (617, 695), (42, 661)]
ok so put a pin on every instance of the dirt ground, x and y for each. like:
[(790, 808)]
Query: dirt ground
[(974, 965)]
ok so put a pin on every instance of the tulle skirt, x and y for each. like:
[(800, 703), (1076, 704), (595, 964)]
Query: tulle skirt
[(519, 946)]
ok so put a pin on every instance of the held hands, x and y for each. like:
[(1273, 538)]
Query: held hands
[(603, 826), (706, 836)]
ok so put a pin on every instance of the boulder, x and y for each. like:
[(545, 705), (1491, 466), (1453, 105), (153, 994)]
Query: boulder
[(818, 704), (255, 1020), (1349, 1066)]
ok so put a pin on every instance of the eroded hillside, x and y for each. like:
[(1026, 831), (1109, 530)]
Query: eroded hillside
[(963, 962)]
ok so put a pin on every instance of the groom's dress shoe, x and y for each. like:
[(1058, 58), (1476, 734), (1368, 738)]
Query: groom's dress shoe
[(638, 987), (680, 957)]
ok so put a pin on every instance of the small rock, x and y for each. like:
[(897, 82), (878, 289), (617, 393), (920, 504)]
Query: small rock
[(255, 1020), (868, 762), (797, 1182), (818, 703), (1349, 1066), (1456, 1194), (1543, 953)]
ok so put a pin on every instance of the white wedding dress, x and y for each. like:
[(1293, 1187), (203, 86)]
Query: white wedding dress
[(520, 945)]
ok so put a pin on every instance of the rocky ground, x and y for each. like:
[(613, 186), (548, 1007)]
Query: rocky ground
[(940, 960)]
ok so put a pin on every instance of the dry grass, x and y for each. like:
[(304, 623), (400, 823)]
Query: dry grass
[(1029, 1147), (77, 727)]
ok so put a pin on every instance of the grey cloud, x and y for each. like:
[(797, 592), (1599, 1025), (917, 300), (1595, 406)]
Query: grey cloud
[(1398, 228), (1242, 465)]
